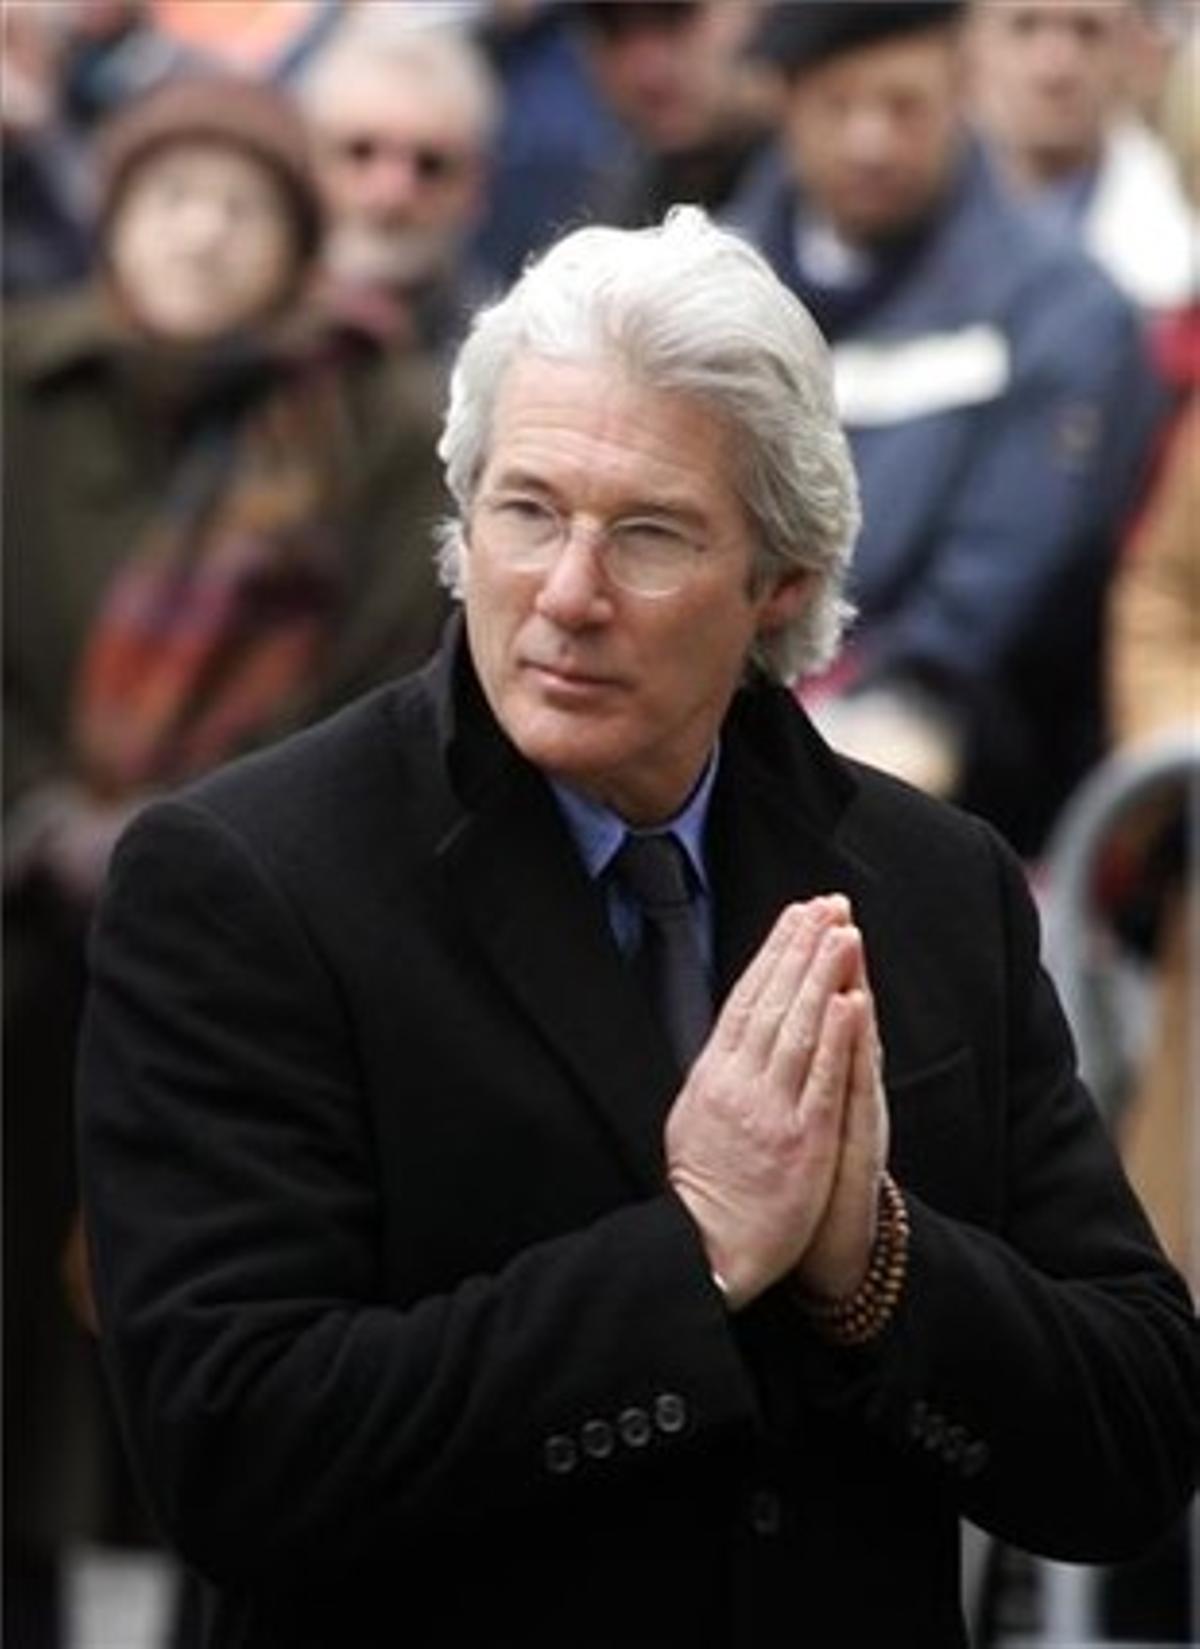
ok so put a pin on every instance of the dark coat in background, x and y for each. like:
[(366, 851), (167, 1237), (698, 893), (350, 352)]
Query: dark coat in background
[(411, 1340), (93, 426)]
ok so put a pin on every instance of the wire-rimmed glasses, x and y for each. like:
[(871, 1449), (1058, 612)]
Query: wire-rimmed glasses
[(645, 555)]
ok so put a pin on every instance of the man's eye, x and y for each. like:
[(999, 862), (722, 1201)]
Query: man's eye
[(524, 509), (655, 537)]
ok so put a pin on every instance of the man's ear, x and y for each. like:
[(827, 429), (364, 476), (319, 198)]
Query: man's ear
[(784, 599)]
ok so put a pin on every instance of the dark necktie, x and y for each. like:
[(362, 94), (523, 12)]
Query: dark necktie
[(653, 871)]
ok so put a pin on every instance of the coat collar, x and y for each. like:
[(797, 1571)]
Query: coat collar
[(513, 878)]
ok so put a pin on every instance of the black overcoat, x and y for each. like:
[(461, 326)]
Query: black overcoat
[(412, 1343)]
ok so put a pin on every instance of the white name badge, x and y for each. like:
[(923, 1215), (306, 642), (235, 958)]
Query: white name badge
[(886, 383)]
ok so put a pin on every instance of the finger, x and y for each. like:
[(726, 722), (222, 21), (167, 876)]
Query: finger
[(835, 962), (782, 988), (825, 1091), (866, 1125), (837, 907), (744, 1001)]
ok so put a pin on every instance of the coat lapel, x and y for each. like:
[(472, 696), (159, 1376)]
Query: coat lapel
[(772, 826), (519, 887), (513, 877)]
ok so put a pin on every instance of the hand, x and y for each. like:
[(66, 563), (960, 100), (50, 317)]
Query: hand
[(755, 1139), (836, 1260)]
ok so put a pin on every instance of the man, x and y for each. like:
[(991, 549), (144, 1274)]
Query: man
[(403, 114), (997, 398), (556, 140), (459, 1284), (1052, 93), (677, 78)]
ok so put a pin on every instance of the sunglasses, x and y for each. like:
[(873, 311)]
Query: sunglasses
[(431, 164)]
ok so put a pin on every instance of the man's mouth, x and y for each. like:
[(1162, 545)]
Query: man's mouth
[(567, 678)]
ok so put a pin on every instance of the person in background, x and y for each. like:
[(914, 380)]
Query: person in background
[(1052, 92), (116, 51), (1159, 28), (268, 39), (46, 201), (571, 1160), (696, 111), (403, 116), (67, 67), (557, 141), (211, 503), (999, 400)]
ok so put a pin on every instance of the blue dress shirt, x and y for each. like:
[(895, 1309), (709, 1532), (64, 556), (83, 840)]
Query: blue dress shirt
[(598, 833)]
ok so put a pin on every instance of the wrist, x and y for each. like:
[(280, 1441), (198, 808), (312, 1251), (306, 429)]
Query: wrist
[(735, 1290), (861, 1315)]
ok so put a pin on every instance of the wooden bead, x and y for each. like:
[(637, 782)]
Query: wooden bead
[(863, 1315)]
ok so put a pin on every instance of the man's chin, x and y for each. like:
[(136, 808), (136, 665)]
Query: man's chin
[(393, 262)]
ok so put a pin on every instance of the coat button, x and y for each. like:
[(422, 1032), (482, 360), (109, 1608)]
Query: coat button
[(597, 1439), (633, 1425), (766, 1512), (561, 1455), (670, 1413), (935, 1432), (974, 1458), (953, 1444)]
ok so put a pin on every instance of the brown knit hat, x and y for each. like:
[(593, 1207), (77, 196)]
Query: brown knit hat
[(226, 108)]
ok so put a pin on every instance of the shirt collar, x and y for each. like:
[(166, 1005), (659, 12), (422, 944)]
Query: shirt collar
[(599, 832)]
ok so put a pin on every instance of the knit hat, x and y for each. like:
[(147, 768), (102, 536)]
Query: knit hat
[(227, 109), (799, 34)]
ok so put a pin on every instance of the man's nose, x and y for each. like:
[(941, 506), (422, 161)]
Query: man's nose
[(573, 591), (868, 135), (392, 184)]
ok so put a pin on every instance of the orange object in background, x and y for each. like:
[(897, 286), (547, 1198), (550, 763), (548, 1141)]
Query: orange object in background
[(249, 35)]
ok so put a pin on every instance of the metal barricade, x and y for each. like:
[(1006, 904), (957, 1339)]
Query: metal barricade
[(1086, 960)]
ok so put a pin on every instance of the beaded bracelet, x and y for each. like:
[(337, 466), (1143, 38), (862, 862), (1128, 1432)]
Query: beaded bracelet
[(863, 1315)]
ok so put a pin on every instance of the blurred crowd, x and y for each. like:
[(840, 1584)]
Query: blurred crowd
[(240, 244)]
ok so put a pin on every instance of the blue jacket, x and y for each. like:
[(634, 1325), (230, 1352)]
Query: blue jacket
[(999, 420)]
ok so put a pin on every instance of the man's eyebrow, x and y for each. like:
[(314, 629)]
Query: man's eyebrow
[(524, 479), (672, 507)]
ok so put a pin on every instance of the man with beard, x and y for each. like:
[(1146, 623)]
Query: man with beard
[(403, 115)]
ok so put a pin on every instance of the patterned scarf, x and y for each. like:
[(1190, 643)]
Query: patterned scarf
[(217, 621)]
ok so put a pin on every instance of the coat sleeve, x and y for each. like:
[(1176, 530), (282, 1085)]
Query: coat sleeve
[(280, 1409), (1044, 1368)]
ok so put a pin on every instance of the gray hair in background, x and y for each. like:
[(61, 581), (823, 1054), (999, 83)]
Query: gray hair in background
[(424, 42), (690, 308)]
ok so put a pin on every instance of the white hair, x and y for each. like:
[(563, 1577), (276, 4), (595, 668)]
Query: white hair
[(691, 308), (402, 41)]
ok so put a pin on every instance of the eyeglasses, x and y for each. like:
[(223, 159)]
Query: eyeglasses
[(431, 164), (640, 554)]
